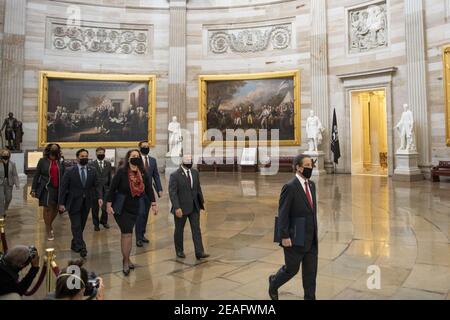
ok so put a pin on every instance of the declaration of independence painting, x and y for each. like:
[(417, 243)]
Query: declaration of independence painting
[(88, 110), (268, 101)]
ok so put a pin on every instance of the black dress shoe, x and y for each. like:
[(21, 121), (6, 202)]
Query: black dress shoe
[(75, 250), (83, 253), (273, 293), (202, 256), (96, 228), (139, 244), (181, 255), (106, 226), (145, 240)]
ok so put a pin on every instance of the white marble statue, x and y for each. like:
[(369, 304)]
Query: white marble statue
[(314, 131), (175, 138), (405, 129)]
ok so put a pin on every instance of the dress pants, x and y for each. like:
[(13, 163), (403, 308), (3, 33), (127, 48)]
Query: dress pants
[(141, 222), (293, 258), (95, 213), (194, 221), (78, 221), (5, 197)]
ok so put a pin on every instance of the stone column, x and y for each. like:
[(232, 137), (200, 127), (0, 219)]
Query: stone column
[(417, 81), (13, 59), (177, 61), (319, 73)]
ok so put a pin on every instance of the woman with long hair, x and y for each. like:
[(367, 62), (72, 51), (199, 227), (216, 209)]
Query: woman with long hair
[(46, 184), (131, 188)]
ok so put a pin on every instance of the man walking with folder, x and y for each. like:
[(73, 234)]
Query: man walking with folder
[(297, 227)]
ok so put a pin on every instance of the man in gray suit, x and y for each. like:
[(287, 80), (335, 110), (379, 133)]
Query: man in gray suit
[(103, 168), (186, 196), (8, 178)]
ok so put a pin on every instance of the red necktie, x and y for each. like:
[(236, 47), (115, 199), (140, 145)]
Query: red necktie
[(146, 163), (308, 195)]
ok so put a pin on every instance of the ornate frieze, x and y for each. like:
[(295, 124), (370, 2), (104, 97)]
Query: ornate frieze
[(101, 39), (250, 39), (368, 28)]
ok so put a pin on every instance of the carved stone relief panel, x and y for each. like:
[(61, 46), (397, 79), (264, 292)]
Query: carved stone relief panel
[(250, 39), (99, 38), (368, 28)]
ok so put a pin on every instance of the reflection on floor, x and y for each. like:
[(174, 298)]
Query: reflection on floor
[(363, 221)]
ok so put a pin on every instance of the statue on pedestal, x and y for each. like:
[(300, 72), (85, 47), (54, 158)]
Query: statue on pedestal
[(13, 132), (405, 129), (175, 138), (314, 131)]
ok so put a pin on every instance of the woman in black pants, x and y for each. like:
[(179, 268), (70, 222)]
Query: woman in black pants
[(132, 185), (46, 184)]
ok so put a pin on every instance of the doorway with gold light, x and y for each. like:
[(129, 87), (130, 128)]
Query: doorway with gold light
[(369, 133)]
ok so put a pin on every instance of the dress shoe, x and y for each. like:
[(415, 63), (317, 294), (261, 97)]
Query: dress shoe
[(202, 256), (83, 253), (139, 244), (132, 266), (126, 269), (106, 226), (181, 255), (273, 293), (96, 228), (145, 240), (75, 250)]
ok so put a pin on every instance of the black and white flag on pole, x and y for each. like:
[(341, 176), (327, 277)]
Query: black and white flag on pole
[(335, 147)]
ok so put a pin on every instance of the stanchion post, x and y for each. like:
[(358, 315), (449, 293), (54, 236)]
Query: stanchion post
[(2, 231), (50, 257)]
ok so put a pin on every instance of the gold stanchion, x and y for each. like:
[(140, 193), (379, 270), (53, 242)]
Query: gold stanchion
[(2, 232), (50, 257)]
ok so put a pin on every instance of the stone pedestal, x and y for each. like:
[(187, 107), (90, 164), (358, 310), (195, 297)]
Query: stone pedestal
[(19, 159), (407, 168), (319, 157)]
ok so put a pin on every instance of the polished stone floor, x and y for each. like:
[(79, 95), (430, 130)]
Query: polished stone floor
[(399, 227)]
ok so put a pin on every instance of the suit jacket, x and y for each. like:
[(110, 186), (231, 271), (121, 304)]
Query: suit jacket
[(182, 196), (41, 178), (12, 174), (105, 175), (153, 173), (294, 204), (72, 191)]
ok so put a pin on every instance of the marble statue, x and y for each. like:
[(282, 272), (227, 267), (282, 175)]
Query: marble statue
[(175, 138), (405, 129), (314, 131)]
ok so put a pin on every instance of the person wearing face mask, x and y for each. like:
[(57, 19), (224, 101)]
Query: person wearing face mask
[(46, 185), (298, 209), (79, 189), (8, 179), (151, 170), (12, 263), (103, 169), (187, 201), (128, 197)]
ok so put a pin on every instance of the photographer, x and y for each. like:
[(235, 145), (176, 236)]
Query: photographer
[(76, 283), (12, 263)]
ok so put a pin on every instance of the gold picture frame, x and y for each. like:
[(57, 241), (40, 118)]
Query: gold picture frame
[(203, 81), (45, 76), (446, 62)]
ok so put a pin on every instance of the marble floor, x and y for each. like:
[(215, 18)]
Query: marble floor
[(364, 221)]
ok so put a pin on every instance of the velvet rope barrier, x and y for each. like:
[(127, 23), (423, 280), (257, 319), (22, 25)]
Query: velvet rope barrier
[(39, 282), (55, 268), (3, 235)]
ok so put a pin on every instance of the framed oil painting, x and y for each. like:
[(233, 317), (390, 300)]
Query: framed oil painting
[(252, 101), (90, 110)]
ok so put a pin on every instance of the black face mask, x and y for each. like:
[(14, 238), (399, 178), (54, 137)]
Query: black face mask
[(187, 165), (54, 153), (136, 161), (6, 158), (84, 161), (145, 151), (307, 172), (101, 157)]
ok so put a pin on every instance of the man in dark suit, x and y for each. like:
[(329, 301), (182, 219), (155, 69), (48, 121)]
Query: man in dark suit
[(298, 202), (151, 169), (80, 187), (103, 169), (187, 200)]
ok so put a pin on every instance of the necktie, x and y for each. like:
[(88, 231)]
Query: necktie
[(146, 163), (189, 178), (83, 176), (308, 195), (101, 165)]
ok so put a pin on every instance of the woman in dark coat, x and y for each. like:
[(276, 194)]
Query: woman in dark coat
[(46, 184), (132, 185)]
